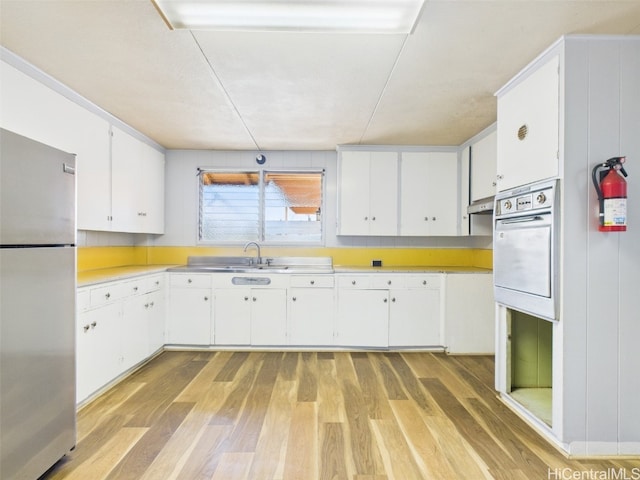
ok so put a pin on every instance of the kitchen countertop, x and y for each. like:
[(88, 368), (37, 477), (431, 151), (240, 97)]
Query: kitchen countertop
[(91, 277), (408, 269)]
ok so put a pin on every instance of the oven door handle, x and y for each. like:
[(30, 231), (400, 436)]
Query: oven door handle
[(536, 218)]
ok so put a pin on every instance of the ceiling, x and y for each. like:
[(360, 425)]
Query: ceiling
[(298, 91)]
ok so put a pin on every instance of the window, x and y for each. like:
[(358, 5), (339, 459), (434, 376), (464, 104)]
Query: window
[(269, 206)]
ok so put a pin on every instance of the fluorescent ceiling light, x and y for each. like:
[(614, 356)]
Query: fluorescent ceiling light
[(353, 16)]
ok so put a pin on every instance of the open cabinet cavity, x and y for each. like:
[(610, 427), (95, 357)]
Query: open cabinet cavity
[(530, 352)]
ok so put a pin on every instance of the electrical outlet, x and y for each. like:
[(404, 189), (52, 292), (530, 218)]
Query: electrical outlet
[(376, 263)]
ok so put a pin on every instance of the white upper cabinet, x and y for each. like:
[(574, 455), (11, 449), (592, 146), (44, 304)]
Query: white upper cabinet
[(368, 193), (528, 128), (398, 193), (483, 162), (137, 175), (429, 194)]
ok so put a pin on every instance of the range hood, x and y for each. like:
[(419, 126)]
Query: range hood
[(483, 206)]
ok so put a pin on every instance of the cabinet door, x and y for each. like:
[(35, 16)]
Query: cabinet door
[(414, 318), (484, 167), (429, 193), (414, 196), (528, 128), (189, 316), (383, 194), (363, 318), (155, 321), (125, 178), (442, 187), (368, 193), (232, 316), (268, 316), (151, 189), (98, 354), (311, 313), (353, 190), (93, 171), (135, 336), (470, 319)]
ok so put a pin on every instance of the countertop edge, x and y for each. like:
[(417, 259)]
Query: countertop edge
[(94, 277)]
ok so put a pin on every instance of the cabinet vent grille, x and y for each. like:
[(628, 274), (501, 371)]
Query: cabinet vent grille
[(522, 132)]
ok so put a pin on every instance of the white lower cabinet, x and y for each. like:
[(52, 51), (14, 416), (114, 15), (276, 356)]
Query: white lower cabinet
[(232, 316), (415, 313), (135, 338), (155, 308), (190, 310), (119, 325), (363, 318), (470, 311), (268, 316), (311, 310), (389, 310), (98, 351)]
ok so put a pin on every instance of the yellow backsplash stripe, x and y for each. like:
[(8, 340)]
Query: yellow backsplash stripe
[(93, 258)]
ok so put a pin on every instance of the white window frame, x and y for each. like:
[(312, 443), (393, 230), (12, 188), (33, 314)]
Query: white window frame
[(261, 199)]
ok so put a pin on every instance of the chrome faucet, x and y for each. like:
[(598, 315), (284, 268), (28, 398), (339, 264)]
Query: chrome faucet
[(259, 258)]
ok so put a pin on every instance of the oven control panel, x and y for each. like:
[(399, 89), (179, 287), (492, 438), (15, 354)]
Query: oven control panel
[(524, 201)]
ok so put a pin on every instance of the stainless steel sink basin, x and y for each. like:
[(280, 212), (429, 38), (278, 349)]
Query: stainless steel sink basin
[(219, 264)]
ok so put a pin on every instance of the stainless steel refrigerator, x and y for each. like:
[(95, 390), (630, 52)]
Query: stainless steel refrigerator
[(37, 306)]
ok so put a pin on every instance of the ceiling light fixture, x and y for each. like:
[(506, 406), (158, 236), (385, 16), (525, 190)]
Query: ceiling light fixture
[(336, 16)]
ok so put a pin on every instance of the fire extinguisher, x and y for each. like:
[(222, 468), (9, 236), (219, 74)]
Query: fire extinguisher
[(612, 194)]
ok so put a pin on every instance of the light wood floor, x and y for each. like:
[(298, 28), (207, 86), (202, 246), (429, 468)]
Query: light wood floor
[(307, 416)]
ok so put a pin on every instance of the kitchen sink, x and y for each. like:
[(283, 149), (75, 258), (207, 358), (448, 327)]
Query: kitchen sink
[(225, 264)]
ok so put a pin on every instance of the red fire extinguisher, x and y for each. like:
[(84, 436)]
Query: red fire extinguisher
[(612, 194)]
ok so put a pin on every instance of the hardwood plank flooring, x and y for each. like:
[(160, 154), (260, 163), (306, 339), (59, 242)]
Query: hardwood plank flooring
[(313, 416)]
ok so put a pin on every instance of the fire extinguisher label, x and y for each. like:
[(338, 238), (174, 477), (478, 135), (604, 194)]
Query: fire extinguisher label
[(615, 212)]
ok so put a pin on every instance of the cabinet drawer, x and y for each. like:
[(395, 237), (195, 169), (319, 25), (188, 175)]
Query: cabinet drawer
[(423, 281), (382, 281), (83, 300), (108, 293), (353, 281), (312, 281), (153, 284), (190, 280), (134, 287)]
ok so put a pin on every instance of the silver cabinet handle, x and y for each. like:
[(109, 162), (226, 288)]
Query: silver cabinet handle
[(389, 282), (246, 298), (353, 282), (107, 295), (206, 299), (135, 289), (424, 282), (393, 300), (93, 324), (189, 280), (294, 299), (386, 300), (86, 328), (254, 299), (313, 282)]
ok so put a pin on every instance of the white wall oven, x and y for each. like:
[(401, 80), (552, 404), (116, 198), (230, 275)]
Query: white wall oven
[(525, 249)]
